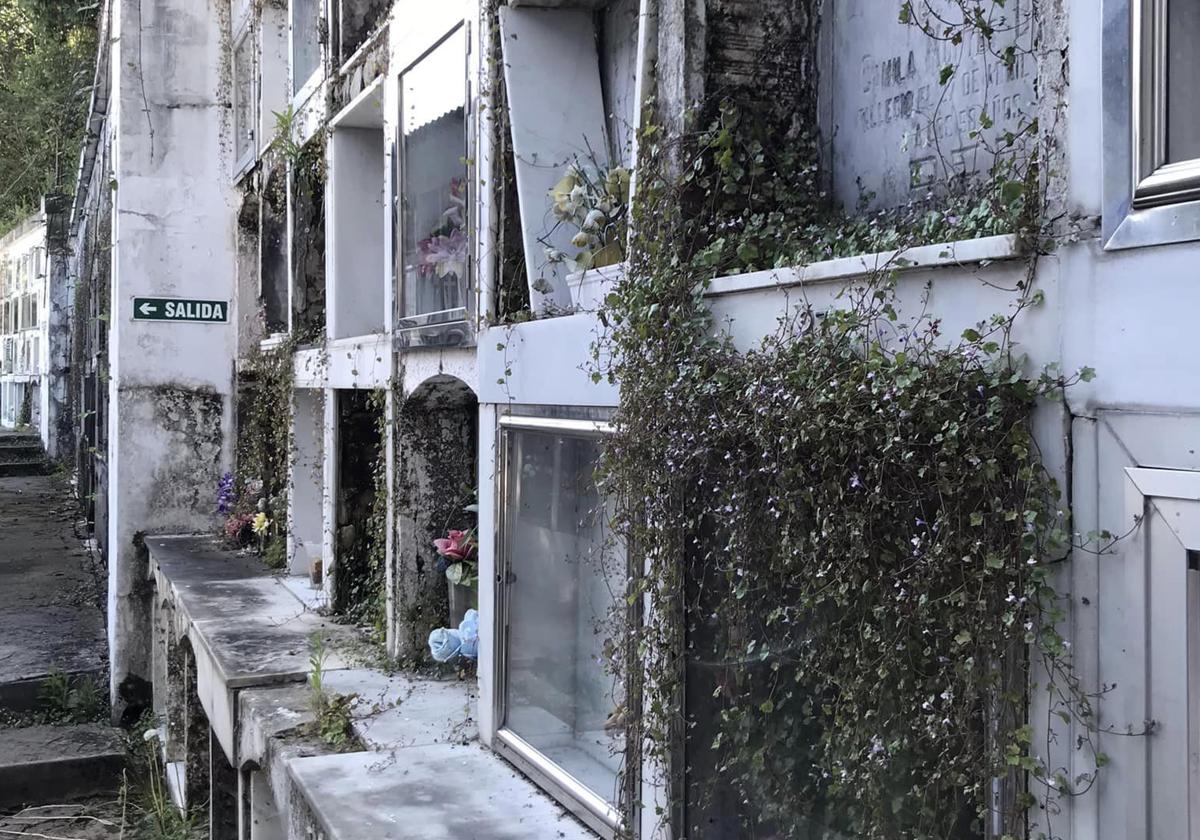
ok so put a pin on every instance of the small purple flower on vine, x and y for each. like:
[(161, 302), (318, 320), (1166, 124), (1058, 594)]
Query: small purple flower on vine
[(226, 493)]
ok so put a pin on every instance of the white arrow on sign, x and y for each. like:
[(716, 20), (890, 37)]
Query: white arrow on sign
[(147, 308)]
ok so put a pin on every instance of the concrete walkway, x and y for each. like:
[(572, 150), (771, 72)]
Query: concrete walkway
[(50, 620)]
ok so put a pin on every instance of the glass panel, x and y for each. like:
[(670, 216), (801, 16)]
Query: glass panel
[(433, 194), (306, 49), (565, 578), (1183, 77), (243, 98)]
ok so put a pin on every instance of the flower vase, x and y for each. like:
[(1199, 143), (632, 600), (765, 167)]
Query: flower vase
[(462, 598)]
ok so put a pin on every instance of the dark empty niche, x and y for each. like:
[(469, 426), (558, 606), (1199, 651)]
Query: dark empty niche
[(273, 252), (308, 242), (357, 21), (359, 541)]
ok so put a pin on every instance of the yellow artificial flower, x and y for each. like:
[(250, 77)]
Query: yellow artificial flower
[(260, 524)]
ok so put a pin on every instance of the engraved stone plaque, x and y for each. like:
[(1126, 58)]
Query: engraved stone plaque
[(894, 131)]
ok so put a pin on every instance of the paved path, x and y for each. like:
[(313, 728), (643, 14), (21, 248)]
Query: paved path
[(49, 617)]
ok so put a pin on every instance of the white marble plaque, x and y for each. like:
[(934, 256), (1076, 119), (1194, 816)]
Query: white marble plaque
[(895, 130)]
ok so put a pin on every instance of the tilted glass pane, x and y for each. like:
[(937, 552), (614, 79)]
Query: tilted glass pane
[(433, 177), (1183, 80), (306, 48), (243, 98), (566, 576)]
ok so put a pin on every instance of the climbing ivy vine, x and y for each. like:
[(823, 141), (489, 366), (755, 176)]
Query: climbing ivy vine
[(264, 447), (846, 533)]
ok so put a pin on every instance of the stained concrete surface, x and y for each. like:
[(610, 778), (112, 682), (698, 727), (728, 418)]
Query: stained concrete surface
[(432, 792), (246, 630), (62, 763), (50, 619)]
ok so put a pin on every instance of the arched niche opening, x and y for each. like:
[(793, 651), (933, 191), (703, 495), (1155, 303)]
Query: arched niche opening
[(436, 491)]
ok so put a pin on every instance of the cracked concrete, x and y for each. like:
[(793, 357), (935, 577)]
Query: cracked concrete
[(49, 618)]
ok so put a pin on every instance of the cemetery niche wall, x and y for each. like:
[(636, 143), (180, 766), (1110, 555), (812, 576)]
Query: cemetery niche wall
[(908, 112)]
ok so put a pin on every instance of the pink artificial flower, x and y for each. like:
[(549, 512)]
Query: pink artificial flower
[(458, 545), (443, 255)]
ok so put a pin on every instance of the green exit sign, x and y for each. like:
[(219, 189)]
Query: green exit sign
[(180, 309)]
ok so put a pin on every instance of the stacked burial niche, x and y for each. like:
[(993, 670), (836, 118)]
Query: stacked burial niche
[(357, 21), (273, 274), (436, 456), (359, 536), (308, 241)]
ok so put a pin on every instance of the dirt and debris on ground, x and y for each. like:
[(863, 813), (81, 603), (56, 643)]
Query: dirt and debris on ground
[(98, 819)]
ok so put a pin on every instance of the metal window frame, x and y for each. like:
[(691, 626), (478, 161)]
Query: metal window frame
[(596, 812), (447, 327), (1147, 201), (244, 35), (1156, 181), (302, 90), (1158, 495)]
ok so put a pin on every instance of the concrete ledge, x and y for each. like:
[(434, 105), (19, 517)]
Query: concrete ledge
[(967, 252), (431, 792), (244, 627), (391, 712)]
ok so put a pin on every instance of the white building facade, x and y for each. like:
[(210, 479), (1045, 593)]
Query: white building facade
[(367, 189), (24, 340)]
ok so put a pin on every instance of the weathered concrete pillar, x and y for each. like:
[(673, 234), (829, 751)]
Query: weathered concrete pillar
[(679, 77), (197, 741), (222, 794), (56, 414), (173, 236)]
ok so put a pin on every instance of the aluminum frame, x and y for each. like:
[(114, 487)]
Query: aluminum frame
[(1155, 638), (301, 91), (592, 809), (1157, 180), (246, 35), (447, 327), (1147, 201)]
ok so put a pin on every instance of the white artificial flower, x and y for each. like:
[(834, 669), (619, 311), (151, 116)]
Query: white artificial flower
[(594, 221), (581, 240)]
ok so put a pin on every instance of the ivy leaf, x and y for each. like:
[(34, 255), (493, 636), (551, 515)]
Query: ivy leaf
[(963, 638), (1011, 192), (1087, 374), (945, 75)]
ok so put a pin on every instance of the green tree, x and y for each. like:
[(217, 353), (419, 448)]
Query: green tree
[(47, 54)]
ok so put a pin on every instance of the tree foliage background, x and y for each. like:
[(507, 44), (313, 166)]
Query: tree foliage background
[(47, 54)]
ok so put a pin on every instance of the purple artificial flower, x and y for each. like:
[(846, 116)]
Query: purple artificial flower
[(226, 493)]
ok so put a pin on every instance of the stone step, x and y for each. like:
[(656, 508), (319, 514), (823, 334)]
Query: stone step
[(23, 452), (31, 466), (21, 696), (7, 441), (59, 763)]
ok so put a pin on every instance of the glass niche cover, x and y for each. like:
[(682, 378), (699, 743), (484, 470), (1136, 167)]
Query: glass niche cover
[(565, 575), (434, 180)]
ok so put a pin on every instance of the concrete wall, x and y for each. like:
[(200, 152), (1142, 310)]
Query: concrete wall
[(1130, 314), (174, 213)]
